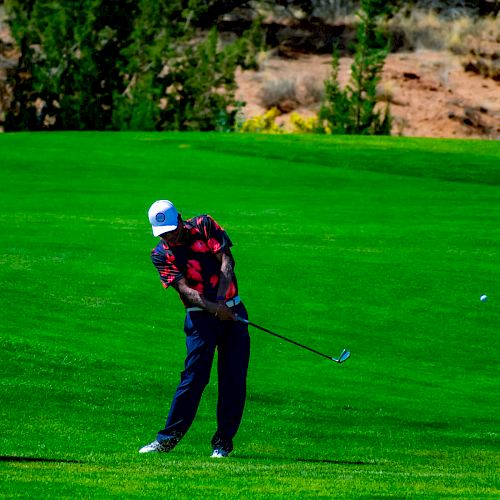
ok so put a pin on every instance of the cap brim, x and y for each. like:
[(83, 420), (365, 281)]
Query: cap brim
[(157, 230)]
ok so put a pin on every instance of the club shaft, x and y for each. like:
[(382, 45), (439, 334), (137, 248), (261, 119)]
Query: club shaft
[(285, 338)]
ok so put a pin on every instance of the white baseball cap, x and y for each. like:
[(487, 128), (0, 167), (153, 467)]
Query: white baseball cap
[(163, 217)]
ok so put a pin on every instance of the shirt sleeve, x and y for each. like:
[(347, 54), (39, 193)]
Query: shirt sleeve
[(165, 265), (217, 239)]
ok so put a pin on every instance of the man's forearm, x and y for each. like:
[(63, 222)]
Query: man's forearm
[(196, 299), (226, 275)]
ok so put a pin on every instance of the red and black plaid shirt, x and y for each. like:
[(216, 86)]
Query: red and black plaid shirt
[(194, 259)]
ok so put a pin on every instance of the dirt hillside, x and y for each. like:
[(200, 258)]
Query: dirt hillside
[(430, 93)]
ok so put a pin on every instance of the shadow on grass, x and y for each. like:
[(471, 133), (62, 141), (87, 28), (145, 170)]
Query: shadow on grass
[(337, 462), (311, 460), (8, 458)]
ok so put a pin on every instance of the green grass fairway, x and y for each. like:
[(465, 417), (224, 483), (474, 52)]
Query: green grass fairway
[(380, 245)]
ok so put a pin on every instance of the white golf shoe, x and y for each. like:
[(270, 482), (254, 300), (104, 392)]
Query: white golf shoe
[(157, 447), (220, 453)]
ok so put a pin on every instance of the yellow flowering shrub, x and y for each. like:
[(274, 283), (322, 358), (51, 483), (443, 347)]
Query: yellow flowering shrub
[(263, 124), (311, 125), (266, 124)]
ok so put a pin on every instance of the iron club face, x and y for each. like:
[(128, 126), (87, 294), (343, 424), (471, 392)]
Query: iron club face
[(344, 356)]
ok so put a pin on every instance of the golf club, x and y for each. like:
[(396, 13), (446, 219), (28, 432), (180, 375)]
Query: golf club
[(344, 355)]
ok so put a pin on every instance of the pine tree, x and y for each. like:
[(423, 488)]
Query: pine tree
[(69, 52), (353, 110), (126, 64), (175, 83)]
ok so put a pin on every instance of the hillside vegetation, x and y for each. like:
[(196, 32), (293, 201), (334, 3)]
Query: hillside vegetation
[(153, 65)]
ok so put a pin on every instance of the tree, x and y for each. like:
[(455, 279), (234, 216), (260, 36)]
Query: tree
[(68, 61), (178, 78), (353, 110), (127, 64)]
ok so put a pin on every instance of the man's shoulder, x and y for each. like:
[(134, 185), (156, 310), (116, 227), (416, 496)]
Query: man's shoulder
[(200, 225), (162, 256), (158, 250), (198, 221)]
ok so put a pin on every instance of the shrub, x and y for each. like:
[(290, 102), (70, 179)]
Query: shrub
[(309, 125), (289, 94), (428, 29), (263, 124), (281, 94), (313, 90)]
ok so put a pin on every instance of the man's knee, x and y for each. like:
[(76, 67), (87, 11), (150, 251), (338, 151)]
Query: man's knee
[(195, 379)]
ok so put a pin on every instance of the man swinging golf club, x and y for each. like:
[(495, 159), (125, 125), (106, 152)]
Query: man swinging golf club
[(194, 258)]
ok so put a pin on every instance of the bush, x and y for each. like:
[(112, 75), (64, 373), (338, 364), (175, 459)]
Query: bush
[(288, 94), (281, 94), (313, 90), (303, 125), (262, 124)]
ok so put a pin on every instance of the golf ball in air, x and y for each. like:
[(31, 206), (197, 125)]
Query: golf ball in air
[(483, 298)]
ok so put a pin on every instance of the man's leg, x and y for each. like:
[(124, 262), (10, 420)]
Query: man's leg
[(200, 343), (234, 354)]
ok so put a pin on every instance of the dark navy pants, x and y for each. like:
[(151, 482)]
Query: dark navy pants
[(204, 334)]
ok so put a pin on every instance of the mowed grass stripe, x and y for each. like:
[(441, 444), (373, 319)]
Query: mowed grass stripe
[(365, 243)]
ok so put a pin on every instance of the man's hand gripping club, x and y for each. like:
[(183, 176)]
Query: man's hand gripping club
[(219, 308)]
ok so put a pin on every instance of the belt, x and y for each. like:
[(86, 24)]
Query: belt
[(229, 303)]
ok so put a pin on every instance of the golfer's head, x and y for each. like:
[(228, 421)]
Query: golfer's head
[(164, 218)]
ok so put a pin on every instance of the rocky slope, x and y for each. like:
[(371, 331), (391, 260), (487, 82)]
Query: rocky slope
[(430, 93)]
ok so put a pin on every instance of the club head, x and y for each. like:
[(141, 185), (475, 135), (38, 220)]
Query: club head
[(344, 356)]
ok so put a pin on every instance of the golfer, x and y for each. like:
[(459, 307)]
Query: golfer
[(194, 258)]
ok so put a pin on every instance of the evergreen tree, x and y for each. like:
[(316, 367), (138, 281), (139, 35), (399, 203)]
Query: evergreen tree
[(127, 64), (67, 73), (178, 79), (353, 110)]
